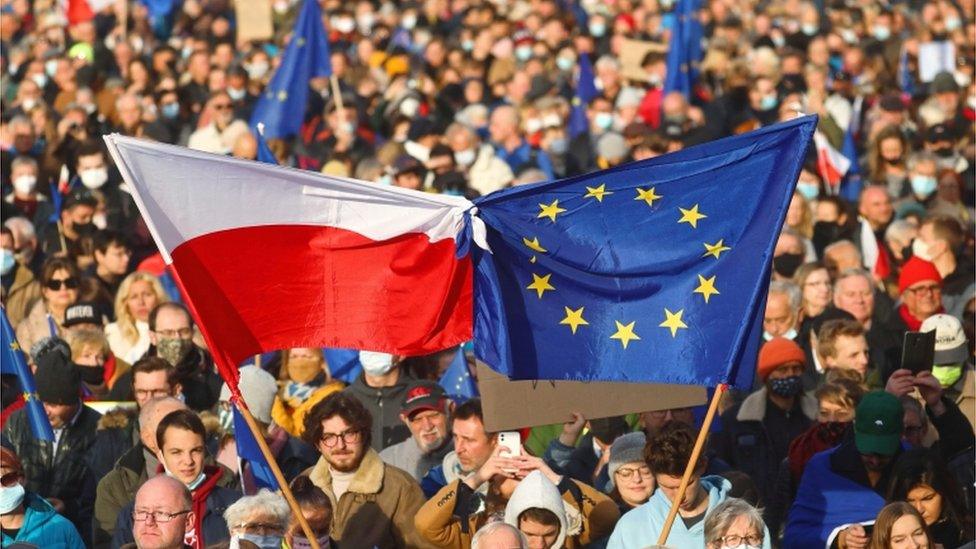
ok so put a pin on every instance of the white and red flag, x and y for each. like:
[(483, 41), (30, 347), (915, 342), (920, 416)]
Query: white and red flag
[(831, 163), (273, 258)]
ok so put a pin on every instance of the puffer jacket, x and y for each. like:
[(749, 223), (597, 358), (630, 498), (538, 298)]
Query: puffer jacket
[(291, 419), (44, 527)]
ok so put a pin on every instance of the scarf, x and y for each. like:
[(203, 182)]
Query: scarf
[(913, 323), (816, 439), (194, 535)]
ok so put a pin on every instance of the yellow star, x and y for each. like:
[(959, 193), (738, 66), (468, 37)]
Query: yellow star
[(691, 216), (282, 95), (648, 195), (673, 321), (715, 249), (625, 332), (706, 287), (597, 192), (540, 284), (550, 210), (534, 244), (15, 346), (574, 319), (27, 397)]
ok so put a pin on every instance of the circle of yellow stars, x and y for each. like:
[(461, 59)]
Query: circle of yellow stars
[(625, 331)]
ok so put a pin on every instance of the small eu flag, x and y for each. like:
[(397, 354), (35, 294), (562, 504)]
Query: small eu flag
[(282, 104), (264, 151), (13, 358), (584, 93), (247, 448), (343, 364), (684, 49), (654, 271), (457, 381)]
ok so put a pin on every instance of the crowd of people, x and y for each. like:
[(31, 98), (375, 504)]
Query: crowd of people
[(836, 445)]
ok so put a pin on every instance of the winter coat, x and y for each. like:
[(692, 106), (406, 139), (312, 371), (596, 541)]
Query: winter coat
[(66, 475), (383, 404), (407, 455), (488, 173), (22, 295), (196, 374), (377, 508), (641, 527), (116, 490), (963, 394), (35, 327), (293, 419), (117, 433), (44, 527)]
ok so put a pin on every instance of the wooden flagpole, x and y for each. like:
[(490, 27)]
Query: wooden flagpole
[(337, 94), (692, 461)]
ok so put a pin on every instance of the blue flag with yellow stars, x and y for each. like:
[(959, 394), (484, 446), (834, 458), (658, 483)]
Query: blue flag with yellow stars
[(457, 381), (654, 271), (684, 49), (281, 106), (15, 363)]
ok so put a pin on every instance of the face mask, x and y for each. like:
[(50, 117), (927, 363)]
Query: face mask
[(345, 26), (99, 221), (301, 542), (810, 191), (603, 120), (7, 261), (848, 35), (654, 79), (84, 229), (789, 334), (51, 67), (809, 29), (945, 152), (409, 21), (523, 53), (93, 178), (409, 107), (923, 185), (565, 64), (376, 364), (952, 23), (173, 350), (787, 386), (598, 29), (268, 541), (256, 71), (366, 22), (467, 45), (236, 94), (385, 179), (40, 79), (28, 104), (947, 374), (25, 184), (11, 497), (303, 370), (787, 264), (465, 157), (92, 375), (779, 40), (921, 250), (170, 110), (768, 103), (881, 33), (559, 145)]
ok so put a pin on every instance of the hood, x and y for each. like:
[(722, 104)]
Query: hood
[(536, 490), (37, 512)]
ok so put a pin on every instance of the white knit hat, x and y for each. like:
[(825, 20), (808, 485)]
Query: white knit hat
[(258, 389)]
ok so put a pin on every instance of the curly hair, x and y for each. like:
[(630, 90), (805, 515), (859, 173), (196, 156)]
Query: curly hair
[(346, 406), (667, 452)]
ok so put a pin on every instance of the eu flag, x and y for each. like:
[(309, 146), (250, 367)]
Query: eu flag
[(248, 449), (343, 364), (282, 105), (13, 358), (654, 271), (584, 93), (264, 151), (457, 381), (684, 49), (850, 187)]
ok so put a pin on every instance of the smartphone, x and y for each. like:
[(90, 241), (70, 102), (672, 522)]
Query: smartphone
[(511, 440), (918, 351)]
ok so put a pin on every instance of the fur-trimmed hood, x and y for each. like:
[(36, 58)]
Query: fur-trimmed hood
[(367, 480), (753, 408)]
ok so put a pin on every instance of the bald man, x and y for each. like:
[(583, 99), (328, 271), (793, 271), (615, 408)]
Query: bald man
[(119, 486), (162, 512)]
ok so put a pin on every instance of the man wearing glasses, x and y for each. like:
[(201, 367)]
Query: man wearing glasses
[(374, 503), (920, 285), (221, 133), (162, 514)]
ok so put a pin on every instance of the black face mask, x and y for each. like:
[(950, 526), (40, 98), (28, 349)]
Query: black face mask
[(824, 232), (84, 229), (92, 375), (906, 253), (945, 152), (787, 264)]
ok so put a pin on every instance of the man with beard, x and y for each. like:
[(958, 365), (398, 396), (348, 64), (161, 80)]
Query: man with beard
[(374, 503), (426, 412)]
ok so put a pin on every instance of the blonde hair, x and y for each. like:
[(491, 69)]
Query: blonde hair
[(805, 227), (123, 318), (81, 339)]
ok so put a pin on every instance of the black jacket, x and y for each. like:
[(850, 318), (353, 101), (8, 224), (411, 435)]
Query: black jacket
[(200, 381)]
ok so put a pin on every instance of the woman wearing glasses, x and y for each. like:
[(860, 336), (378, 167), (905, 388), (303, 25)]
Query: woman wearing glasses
[(630, 476), (26, 517), (734, 523), (128, 336), (59, 289)]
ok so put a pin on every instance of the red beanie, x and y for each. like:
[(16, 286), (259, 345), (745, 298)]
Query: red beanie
[(917, 270), (777, 352)]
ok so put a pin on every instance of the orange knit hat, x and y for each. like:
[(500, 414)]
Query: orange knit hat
[(777, 352)]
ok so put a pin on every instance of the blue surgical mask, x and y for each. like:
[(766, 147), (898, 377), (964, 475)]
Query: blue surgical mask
[(170, 110), (236, 94), (923, 185), (7, 261), (559, 145), (598, 28), (603, 120), (11, 497), (809, 29), (523, 53), (268, 541), (467, 45), (810, 191), (565, 63), (768, 102), (881, 33)]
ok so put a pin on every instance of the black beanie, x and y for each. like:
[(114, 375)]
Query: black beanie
[(57, 380)]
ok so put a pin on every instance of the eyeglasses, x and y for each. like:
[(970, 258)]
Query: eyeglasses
[(261, 528), (157, 516), (627, 472), (348, 437), (182, 333), (736, 540), (151, 393), (931, 289), (10, 478), (223, 107), (56, 284)]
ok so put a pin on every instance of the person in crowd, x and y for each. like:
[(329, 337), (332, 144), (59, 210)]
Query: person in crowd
[(782, 309), (19, 288), (898, 237), (860, 466), (112, 254), (162, 514), (921, 480), (630, 476), (734, 523), (886, 159), (25, 196), (499, 534), (375, 502), (841, 344), (305, 381), (136, 296), (27, 518), (180, 440), (920, 286), (816, 291), (58, 470), (473, 446), (955, 432), (89, 353), (939, 240), (757, 433), (953, 363), (923, 167), (260, 519), (856, 293), (118, 486), (381, 387), (74, 223), (485, 171), (586, 460), (899, 525), (59, 289), (316, 508), (425, 411), (218, 136)]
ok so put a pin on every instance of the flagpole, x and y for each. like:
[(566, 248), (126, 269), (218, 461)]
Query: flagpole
[(285, 489), (337, 93), (692, 461), (64, 244)]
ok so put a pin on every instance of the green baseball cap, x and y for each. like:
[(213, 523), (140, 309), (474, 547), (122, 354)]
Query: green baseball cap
[(878, 424)]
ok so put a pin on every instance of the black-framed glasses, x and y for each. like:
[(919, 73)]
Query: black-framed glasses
[(932, 289), (182, 333), (735, 540), (159, 517), (56, 284), (348, 437)]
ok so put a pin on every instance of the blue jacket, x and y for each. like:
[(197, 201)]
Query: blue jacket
[(825, 501), (44, 527), (641, 526)]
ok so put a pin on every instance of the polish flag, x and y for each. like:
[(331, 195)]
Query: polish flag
[(831, 163), (273, 258)]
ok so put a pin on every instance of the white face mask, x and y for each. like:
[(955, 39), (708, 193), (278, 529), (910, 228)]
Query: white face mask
[(11, 497), (256, 71), (921, 250), (790, 334), (465, 157), (99, 221), (376, 364), (25, 184), (93, 178)]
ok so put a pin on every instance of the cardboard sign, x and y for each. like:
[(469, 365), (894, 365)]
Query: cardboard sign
[(509, 405), (632, 52), (254, 20)]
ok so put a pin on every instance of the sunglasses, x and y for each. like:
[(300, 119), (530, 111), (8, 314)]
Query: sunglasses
[(10, 479), (223, 107), (56, 284)]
